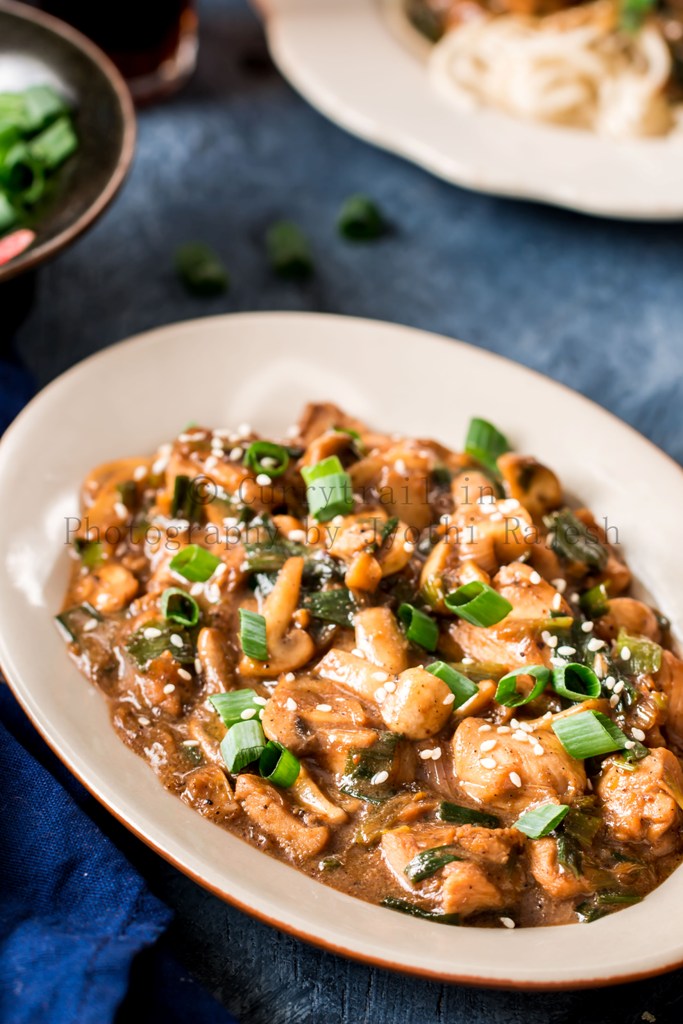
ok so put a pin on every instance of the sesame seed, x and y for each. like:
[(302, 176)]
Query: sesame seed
[(426, 754), (213, 593), (625, 653), (507, 922), (610, 682), (390, 686), (629, 744), (169, 688), (298, 536), (436, 753), (514, 724), (260, 700), (638, 734), (139, 473), (380, 694), (358, 653), (467, 661), (263, 480), (515, 780), (594, 644), (558, 662), (618, 687), (520, 736), (190, 743), (176, 640), (450, 700), (526, 727), (613, 701), (211, 462), (556, 602), (290, 704), (151, 633), (290, 677), (90, 625), (184, 674), (488, 762), (236, 454), (504, 729), (538, 749), (408, 547), (599, 666), (244, 430), (248, 713), (488, 745), (143, 721), (559, 584), (121, 510), (482, 728), (220, 570), (196, 589), (574, 598), (587, 627), (269, 462), (566, 651), (379, 778), (535, 577), (323, 707), (381, 677)]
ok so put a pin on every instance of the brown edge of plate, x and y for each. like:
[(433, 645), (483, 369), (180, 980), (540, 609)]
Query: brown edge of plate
[(46, 250)]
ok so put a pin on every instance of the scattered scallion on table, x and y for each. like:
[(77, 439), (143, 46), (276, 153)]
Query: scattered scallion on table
[(288, 250), (201, 270), (360, 219)]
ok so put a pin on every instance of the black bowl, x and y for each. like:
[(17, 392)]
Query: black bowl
[(35, 49)]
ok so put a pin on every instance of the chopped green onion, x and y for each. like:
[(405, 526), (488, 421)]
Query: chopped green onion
[(288, 250), (509, 696), (236, 706), (271, 555), (582, 825), (366, 766), (589, 734), (360, 219), (569, 855), (357, 445), (575, 682), (478, 603), (90, 552), (573, 541), (22, 174), (179, 606), (54, 145), (594, 602), (634, 13), (128, 493), (644, 656), (604, 903), (420, 628), (279, 765), (335, 606), (155, 638), (541, 821), (41, 106), (406, 907), (201, 270), (253, 635), (427, 862), (266, 457), (195, 563), (463, 688), (455, 814), (329, 491), (243, 745), (184, 501), (68, 627), (485, 443)]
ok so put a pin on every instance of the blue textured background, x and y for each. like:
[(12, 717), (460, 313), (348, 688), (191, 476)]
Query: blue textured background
[(595, 304)]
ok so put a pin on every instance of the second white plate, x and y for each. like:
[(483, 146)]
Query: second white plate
[(347, 58)]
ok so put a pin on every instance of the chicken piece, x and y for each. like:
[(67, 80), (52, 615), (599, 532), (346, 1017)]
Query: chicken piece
[(669, 679), (360, 534), (109, 588), (506, 646), (380, 639), (633, 616), (642, 802), (310, 796), (401, 477), (273, 817), (419, 706), (163, 687), (532, 600), (320, 417), (552, 876), (208, 790), (356, 674), (512, 775)]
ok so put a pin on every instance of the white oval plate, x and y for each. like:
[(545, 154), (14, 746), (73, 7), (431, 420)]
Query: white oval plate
[(350, 59), (261, 368)]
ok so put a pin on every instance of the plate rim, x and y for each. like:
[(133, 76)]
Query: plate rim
[(156, 335)]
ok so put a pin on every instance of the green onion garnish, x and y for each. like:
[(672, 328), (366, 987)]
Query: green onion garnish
[(288, 250), (455, 814), (463, 688), (573, 541), (541, 821), (638, 654), (253, 635), (604, 903), (184, 501), (509, 696), (155, 638), (575, 682), (406, 907), (236, 706), (633, 14), (427, 862), (201, 270), (69, 627), (243, 745), (195, 563), (420, 628), (279, 765), (90, 552), (589, 734), (335, 606), (595, 601), (266, 457), (329, 492), (365, 764), (478, 603), (485, 443), (360, 219), (179, 606)]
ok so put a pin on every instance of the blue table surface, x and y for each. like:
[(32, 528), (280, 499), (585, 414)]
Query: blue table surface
[(592, 303)]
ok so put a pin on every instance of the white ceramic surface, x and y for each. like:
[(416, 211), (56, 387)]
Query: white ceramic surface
[(350, 59), (261, 368)]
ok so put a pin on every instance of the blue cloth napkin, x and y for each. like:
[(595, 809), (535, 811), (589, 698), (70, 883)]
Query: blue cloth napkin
[(81, 935)]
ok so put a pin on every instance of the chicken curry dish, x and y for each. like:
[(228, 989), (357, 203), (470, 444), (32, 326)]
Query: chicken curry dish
[(413, 673)]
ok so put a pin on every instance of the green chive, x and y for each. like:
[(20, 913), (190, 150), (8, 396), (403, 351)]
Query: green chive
[(253, 635), (427, 862), (360, 219), (335, 606), (595, 601), (455, 814), (243, 745), (478, 603), (266, 457), (509, 696), (201, 270), (575, 682), (236, 706), (288, 250), (485, 443), (573, 541), (184, 501), (195, 563), (541, 821), (179, 606), (420, 628), (279, 765), (463, 688), (589, 734), (644, 656)]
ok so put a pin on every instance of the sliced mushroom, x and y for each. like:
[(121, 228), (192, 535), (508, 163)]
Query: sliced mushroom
[(211, 652), (533, 485), (380, 639), (288, 648)]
